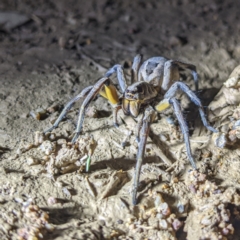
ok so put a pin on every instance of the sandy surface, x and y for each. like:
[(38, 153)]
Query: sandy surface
[(48, 53)]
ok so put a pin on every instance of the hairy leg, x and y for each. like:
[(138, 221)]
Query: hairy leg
[(120, 76), (68, 106), (115, 112), (110, 93), (178, 112), (139, 126), (193, 97), (171, 72), (147, 120), (135, 68)]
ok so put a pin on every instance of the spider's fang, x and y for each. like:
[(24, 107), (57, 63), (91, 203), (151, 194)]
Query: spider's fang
[(134, 108), (131, 107)]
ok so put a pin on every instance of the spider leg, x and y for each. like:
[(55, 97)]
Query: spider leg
[(184, 128), (109, 92), (139, 126), (120, 76), (146, 122), (68, 106), (171, 72), (135, 68), (193, 97), (115, 111)]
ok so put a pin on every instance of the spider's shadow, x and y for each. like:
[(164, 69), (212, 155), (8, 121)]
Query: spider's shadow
[(4, 150), (160, 144), (124, 164)]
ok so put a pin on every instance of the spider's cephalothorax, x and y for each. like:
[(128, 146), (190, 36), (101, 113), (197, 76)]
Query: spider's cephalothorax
[(136, 96), (155, 83)]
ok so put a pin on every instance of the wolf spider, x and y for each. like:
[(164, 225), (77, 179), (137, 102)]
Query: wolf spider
[(154, 84)]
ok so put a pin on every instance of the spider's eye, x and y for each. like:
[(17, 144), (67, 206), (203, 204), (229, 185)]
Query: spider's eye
[(139, 89)]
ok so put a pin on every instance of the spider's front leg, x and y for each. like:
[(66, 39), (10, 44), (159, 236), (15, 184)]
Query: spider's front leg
[(68, 106), (118, 69), (146, 122), (103, 87)]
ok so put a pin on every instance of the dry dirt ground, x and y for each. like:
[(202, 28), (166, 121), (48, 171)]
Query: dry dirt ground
[(50, 51)]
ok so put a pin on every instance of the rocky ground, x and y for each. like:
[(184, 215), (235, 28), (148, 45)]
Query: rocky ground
[(50, 51)]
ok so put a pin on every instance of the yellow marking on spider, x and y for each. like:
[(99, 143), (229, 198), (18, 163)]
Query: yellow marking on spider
[(111, 94), (163, 105), (103, 94)]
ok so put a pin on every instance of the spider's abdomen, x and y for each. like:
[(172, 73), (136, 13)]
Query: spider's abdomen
[(136, 95), (151, 69)]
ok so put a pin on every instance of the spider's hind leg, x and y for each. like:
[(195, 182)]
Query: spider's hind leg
[(193, 97), (169, 99), (166, 103), (192, 68), (178, 112), (171, 72)]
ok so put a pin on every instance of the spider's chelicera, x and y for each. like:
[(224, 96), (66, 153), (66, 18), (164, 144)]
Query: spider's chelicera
[(155, 83)]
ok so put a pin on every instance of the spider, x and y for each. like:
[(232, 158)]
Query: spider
[(154, 84)]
